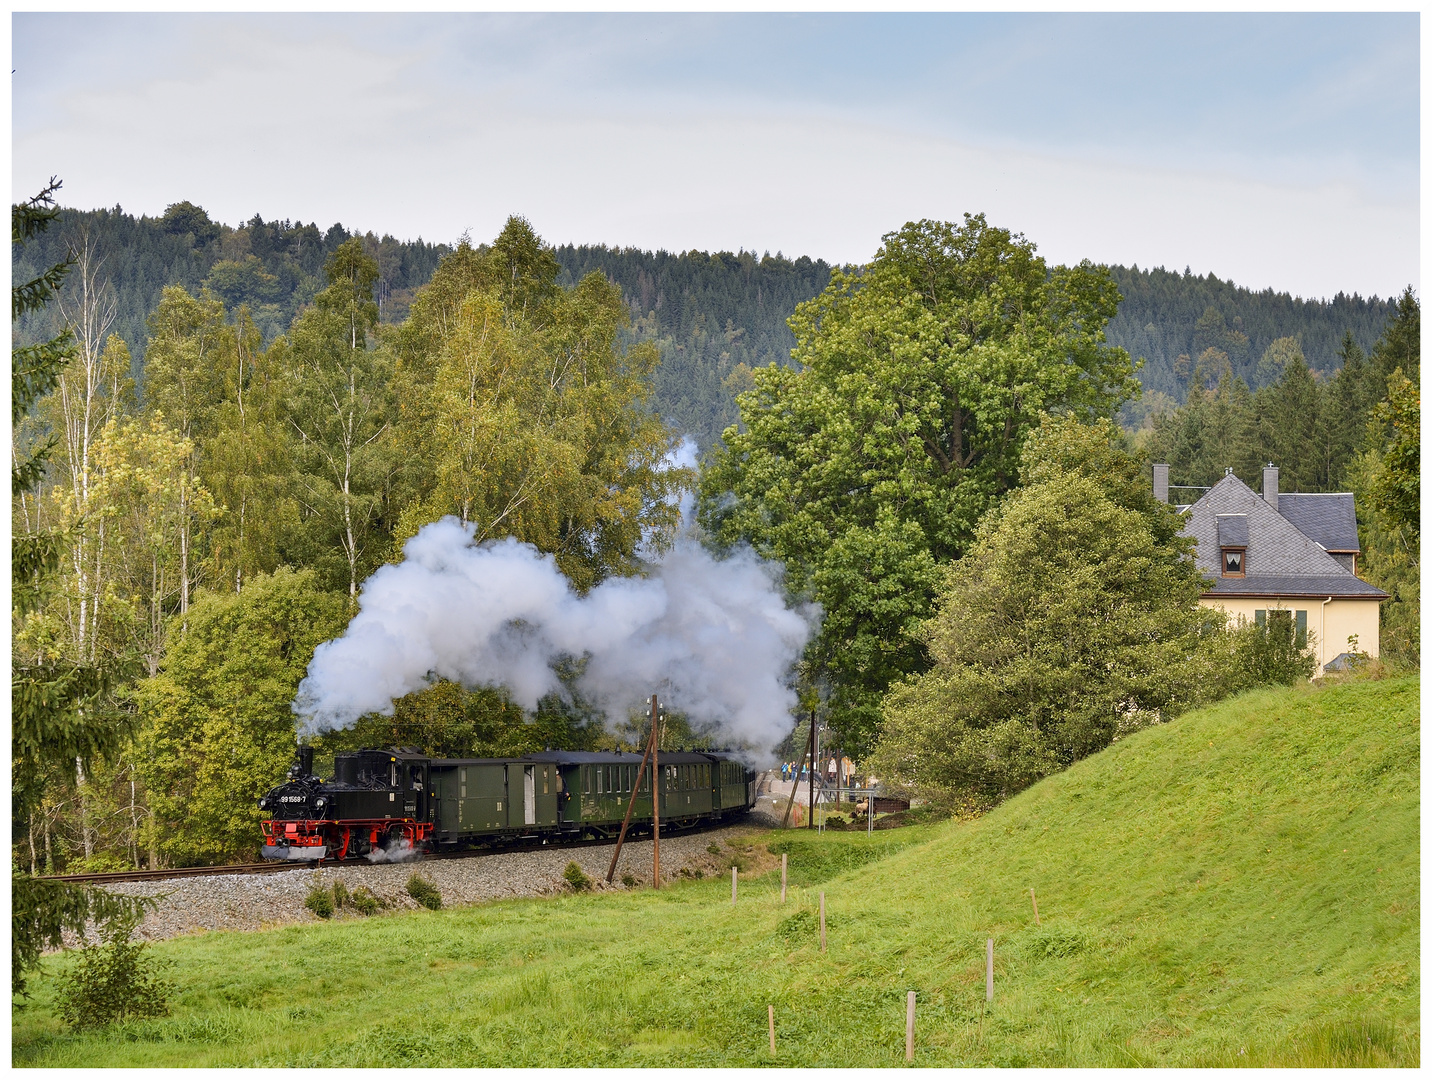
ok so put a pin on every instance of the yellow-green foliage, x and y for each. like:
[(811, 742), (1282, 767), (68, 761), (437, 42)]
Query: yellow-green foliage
[(1237, 887)]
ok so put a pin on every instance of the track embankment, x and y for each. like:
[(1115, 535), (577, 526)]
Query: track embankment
[(267, 895)]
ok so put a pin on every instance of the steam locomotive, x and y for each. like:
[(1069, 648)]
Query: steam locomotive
[(384, 802)]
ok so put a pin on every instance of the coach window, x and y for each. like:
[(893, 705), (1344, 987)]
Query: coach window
[(546, 782)]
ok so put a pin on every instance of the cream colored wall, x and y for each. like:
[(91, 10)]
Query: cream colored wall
[(1330, 622)]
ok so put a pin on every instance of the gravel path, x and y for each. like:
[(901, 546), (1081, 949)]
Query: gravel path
[(260, 901)]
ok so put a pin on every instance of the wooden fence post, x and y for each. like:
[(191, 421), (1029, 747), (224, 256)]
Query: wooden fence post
[(822, 922), (771, 1017), (733, 886), (910, 1026), (1035, 902), (989, 969)]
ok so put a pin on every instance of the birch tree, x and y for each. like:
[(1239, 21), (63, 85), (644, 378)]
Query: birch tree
[(528, 417), (337, 410)]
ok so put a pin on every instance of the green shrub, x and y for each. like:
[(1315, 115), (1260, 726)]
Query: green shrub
[(1272, 653), (424, 891), (714, 849), (319, 901), (628, 879), (341, 899), (364, 901), (576, 878), (113, 981)]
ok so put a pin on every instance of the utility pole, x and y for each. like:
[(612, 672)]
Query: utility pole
[(655, 800), (621, 836), (814, 749)]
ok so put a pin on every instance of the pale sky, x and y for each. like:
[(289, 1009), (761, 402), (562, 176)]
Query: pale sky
[(1276, 150)]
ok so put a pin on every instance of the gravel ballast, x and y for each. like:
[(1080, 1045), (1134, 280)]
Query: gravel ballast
[(260, 901)]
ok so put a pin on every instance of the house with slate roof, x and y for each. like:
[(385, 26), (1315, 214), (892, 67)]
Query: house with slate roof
[(1295, 553)]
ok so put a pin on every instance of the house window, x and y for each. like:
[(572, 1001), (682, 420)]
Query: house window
[(1265, 618), (1233, 561)]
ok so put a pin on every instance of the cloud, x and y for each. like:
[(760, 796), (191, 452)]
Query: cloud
[(586, 125)]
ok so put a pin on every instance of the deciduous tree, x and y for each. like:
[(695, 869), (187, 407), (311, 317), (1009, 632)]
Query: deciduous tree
[(217, 730), (338, 411), (920, 376), (1067, 624), (522, 412)]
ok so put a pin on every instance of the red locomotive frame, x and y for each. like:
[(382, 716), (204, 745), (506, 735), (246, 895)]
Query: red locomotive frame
[(338, 835)]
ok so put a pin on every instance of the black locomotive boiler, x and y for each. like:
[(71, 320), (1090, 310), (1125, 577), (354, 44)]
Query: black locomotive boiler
[(397, 799)]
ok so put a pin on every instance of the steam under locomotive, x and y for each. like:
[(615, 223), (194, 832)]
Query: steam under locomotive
[(398, 799)]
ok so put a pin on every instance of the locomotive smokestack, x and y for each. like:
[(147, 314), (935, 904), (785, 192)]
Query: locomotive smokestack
[(305, 761)]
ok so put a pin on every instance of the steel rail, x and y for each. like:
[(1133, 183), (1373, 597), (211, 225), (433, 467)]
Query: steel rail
[(276, 867)]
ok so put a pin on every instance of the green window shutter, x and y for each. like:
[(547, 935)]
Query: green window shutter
[(1300, 638)]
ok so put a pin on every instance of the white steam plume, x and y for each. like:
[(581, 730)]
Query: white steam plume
[(713, 637)]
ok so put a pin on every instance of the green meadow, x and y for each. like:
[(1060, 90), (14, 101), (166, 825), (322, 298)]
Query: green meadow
[(1237, 887)]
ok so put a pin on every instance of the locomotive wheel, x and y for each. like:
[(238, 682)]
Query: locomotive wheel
[(338, 840)]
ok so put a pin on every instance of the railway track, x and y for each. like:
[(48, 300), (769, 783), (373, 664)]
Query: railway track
[(177, 872), (534, 844)]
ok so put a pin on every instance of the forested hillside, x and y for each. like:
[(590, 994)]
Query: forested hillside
[(275, 267), (1169, 319), (712, 316)]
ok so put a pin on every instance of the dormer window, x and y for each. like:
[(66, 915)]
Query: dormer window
[(1233, 543)]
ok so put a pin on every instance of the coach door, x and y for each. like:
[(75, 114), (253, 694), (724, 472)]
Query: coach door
[(545, 785)]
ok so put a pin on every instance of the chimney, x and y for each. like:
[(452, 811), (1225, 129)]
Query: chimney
[(1270, 485), (1161, 483)]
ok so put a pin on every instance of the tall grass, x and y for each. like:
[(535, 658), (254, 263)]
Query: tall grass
[(1239, 887)]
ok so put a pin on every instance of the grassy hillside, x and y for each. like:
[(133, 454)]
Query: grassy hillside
[(1237, 887)]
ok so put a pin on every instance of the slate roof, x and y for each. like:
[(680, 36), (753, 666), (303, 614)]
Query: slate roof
[(1327, 519), (1281, 559), (1232, 530)]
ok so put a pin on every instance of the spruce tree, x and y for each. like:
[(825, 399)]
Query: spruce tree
[(61, 711)]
